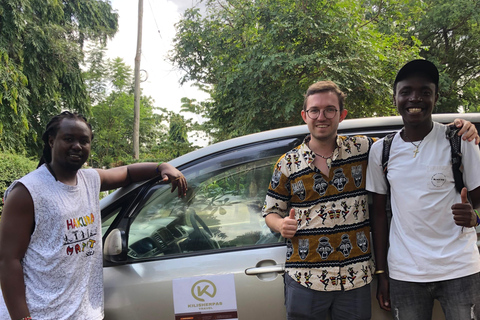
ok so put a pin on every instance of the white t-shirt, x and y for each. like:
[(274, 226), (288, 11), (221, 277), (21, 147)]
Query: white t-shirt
[(63, 263), (425, 243)]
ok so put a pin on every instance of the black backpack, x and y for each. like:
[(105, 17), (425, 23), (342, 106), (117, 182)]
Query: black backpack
[(455, 141)]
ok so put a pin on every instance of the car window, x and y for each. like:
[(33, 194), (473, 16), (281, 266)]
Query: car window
[(107, 221), (222, 210), (113, 212)]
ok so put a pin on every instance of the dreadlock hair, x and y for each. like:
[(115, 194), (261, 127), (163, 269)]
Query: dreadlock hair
[(52, 129)]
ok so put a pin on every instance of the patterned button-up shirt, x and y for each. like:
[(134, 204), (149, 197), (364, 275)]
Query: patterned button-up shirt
[(331, 249)]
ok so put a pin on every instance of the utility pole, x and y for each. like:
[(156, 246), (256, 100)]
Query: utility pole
[(137, 93)]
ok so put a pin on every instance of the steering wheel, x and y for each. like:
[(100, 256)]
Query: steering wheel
[(202, 236)]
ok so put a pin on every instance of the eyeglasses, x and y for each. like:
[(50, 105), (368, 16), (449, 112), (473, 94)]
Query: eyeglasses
[(328, 113)]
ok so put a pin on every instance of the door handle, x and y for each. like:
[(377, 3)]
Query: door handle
[(279, 268)]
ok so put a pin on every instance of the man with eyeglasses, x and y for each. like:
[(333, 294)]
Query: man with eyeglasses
[(318, 202)]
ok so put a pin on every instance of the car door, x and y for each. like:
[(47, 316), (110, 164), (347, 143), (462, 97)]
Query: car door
[(215, 233)]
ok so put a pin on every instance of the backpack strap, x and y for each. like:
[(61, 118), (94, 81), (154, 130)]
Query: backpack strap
[(455, 144), (387, 144)]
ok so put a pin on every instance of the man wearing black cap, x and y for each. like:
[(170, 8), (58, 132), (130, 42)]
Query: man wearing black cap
[(328, 266), (433, 252)]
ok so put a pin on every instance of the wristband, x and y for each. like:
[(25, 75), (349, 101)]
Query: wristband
[(478, 217), (379, 271), (158, 165)]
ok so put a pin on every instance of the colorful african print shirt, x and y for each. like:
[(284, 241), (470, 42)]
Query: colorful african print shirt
[(331, 249)]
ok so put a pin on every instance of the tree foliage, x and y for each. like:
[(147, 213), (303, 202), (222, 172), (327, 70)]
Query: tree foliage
[(177, 135), (450, 34), (40, 55), (110, 83), (112, 121), (202, 129), (257, 58), (13, 167)]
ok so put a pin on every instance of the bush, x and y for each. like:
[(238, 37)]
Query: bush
[(13, 167)]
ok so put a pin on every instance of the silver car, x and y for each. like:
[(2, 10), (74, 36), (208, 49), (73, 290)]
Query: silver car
[(209, 255)]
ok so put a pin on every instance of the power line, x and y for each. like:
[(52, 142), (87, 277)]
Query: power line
[(154, 19)]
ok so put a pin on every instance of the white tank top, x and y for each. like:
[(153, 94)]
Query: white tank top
[(63, 262)]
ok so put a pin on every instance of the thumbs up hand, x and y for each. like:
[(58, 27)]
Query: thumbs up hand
[(463, 213), (288, 227)]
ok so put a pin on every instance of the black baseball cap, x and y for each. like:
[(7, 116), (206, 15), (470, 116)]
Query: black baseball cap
[(419, 66)]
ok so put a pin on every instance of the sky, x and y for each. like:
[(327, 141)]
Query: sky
[(159, 18)]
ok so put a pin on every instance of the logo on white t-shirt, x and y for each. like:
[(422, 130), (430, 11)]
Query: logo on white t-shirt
[(438, 180)]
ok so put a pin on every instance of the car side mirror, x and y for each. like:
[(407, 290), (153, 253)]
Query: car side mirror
[(115, 247)]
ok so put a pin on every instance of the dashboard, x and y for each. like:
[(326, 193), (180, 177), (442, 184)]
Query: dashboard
[(166, 238)]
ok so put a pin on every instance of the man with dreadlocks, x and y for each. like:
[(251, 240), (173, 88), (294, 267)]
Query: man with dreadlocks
[(50, 231)]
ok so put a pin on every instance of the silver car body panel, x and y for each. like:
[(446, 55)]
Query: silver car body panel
[(143, 289)]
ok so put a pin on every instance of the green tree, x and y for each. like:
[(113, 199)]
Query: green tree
[(97, 77), (172, 142), (110, 82), (204, 129), (177, 135), (13, 105), (471, 95), (256, 58), (450, 34), (41, 46), (112, 121), (13, 167)]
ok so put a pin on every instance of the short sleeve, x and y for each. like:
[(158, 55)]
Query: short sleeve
[(376, 181), (471, 165), (278, 194)]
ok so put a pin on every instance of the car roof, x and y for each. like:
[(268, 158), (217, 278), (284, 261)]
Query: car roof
[(365, 126)]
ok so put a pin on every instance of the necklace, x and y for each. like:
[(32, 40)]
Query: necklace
[(329, 157), (415, 145)]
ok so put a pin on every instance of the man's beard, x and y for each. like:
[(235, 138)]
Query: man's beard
[(75, 166)]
